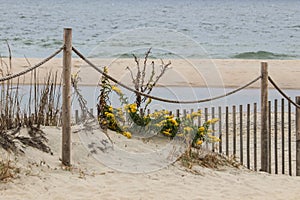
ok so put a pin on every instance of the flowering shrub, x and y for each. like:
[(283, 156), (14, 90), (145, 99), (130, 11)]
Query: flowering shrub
[(135, 117), (159, 122), (109, 117), (167, 125)]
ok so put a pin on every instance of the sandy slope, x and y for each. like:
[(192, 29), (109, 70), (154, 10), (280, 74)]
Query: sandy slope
[(42, 177)]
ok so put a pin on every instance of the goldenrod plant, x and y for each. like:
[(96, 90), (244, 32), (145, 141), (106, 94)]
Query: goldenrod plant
[(128, 119)]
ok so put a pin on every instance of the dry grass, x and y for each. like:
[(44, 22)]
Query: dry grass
[(207, 159), (7, 170), (41, 106)]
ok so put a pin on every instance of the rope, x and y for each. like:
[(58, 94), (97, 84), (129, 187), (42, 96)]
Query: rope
[(33, 67), (159, 98), (282, 93)]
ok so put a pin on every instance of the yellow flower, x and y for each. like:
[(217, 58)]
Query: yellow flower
[(116, 89), (214, 120), (162, 123), (127, 134), (187, 129), (110, 108), (158, 125), (173, 121), (110, 115), (196, 114), (188, 116), (166, 132), (199, 142), (133, 108), (214, 138), (75, 75), (179, 135), (105, 70), (201, 129), (148, 101)]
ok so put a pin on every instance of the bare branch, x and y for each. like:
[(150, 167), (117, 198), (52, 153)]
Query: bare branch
[(151, 77), (163, 70), (29, 64), (131, 74), (138, 75), (144, 69), (9, 57)]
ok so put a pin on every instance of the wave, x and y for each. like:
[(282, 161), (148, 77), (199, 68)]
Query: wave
[(263, 55)]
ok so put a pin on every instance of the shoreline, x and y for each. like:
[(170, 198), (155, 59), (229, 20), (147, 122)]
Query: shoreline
[(212, 73)]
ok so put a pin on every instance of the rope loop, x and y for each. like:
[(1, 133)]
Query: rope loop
[(159, 98), (282, 93), (33, 67)]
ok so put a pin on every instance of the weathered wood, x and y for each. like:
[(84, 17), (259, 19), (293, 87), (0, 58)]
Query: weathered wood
[(255, 136), (234, 128), (206, 118), (220, 129), (66, 101), (241, 134), (276, 135), (76, 117), (92, 112), (213, 127), (227, 130), (177, 113), (141, 111), (248, 136), (270, 125), (199, 118), (264, 118), (290, 137), (282, 137), (192, 110), (298, 137)]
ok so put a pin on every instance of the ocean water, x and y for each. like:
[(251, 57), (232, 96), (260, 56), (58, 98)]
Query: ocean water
[(263, 29)]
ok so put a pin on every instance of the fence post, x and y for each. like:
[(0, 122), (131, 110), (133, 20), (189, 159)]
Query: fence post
[(66, 101), (264, 119), (298, 137)]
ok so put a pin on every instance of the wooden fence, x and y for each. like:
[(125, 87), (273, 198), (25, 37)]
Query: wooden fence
[(265, 138), (239, 128)]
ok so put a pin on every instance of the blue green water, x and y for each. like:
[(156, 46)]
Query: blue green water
[(204, 28)]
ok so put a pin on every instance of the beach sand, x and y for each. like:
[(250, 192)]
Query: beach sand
[(42, 177), (191, 72)]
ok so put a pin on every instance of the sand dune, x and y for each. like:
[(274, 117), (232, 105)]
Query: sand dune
[(42, 177)]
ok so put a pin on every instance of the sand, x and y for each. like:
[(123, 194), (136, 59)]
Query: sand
[(42, 176), (191, 72)]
